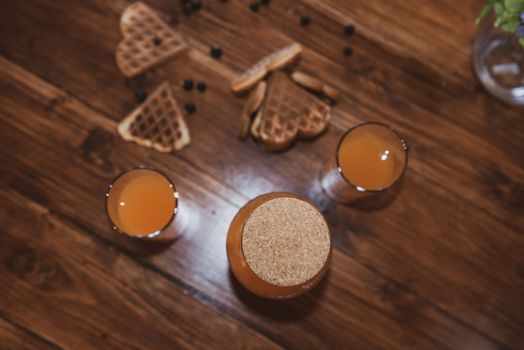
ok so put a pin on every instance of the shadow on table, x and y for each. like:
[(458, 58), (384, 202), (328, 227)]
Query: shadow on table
[(380, 200), (144, 248), (283, 311), (371, 203)]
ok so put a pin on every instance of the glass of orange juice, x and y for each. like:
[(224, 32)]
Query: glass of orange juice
[(142, 202), (279, 245), (370, 158)]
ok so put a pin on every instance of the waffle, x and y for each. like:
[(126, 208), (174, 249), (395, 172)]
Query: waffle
[(255, 126), (157, 123), (253, 103), (148, 40), (281, 58), (270, 63), (249, 78), (315, 85), (290, 112)]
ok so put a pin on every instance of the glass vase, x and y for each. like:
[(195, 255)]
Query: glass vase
[(499, 62)]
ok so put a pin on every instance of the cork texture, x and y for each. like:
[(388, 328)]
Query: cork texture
[(286, 241)]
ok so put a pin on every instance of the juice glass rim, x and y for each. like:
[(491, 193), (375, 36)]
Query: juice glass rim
[(402, 143), (175, 194)]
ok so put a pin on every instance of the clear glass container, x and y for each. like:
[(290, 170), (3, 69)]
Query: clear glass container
[(498, 59), (336, 177), (151, 201), (245, 274)]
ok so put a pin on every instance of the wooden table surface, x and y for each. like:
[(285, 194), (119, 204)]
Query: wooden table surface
[(440, 267)]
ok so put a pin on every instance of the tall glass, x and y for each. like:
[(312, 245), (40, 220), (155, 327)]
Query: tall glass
[(143, 203), (370, 158)]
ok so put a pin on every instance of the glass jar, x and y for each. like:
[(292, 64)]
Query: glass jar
[(498, 59), (299, 280)]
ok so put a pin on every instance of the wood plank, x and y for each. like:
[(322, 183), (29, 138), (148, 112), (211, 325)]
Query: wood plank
[(13, 337), (356, 290), (455, 174), (195, 259), (378, 87), (460, 149), (99, 298), (404, 27)]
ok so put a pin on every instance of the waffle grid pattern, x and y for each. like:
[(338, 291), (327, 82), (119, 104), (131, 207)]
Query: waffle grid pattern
[(147, 40), (290, 111), (158, 123)]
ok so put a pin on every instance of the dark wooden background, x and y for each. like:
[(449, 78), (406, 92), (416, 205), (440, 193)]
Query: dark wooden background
[(441, 267)]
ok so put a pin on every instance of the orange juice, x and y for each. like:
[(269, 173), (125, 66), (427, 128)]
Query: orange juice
[(141, 202), (237, 254), (370, 157), (366, 160)]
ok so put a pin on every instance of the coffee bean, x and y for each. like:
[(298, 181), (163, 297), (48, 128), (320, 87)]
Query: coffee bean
[(190, 108), (216, 51), (254, 6), (201, 86), (304, 21), (349, 29), (140, 95), (187, 84)]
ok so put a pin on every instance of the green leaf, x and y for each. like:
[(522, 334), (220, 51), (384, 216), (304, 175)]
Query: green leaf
[(521, 41), (499, 21), (505, 17), (488, 7), (507, 13), (511, 25), (499, 8), (514, 5)]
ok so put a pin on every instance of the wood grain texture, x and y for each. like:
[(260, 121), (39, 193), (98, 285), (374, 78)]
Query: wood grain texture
[(196, 256), (439, 267), (15, 337), (81, 295)]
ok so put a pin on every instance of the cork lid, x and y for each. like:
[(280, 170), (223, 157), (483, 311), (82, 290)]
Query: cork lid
[(286, 241)]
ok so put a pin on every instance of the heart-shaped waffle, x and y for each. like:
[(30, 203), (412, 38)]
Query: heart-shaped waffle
[(157, 123), (290, 112), (147, 41)]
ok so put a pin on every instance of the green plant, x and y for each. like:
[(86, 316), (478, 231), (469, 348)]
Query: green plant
[(509, 16)]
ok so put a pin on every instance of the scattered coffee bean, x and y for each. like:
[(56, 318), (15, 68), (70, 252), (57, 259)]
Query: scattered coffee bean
[(201, 86), (348, 51), (254, 6), (304, 21), (157, 41), (190, 108), (196, 5), (140, 95), (187, 84), (215, 51), (187, 8), (264, 2), (349, 29)]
